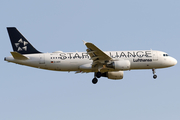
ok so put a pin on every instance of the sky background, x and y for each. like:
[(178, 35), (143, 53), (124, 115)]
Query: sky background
[(33, 94)]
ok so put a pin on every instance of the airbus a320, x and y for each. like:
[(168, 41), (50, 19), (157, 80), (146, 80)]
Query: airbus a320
[(110, 64)]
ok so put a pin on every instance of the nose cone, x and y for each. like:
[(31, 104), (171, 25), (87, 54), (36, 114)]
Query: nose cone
[(174, 61), (170, 61)]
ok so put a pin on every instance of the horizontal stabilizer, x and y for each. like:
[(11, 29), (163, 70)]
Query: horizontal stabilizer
[(18, 56)]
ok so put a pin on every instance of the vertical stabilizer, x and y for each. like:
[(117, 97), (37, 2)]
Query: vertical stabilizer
[(19, 43)]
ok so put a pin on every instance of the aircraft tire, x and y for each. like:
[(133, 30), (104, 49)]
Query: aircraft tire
[(154, 76), (95, 80), (98, 74)]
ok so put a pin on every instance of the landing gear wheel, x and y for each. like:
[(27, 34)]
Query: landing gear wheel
[(95, 80), (154, 76), (98, 74)]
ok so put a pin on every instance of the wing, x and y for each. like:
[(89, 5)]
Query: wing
[(97, 55)]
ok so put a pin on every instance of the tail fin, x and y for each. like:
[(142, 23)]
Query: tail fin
[(19, 43)]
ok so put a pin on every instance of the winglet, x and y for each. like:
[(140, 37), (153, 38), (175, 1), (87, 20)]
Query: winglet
[(18, 56), (84, 41)]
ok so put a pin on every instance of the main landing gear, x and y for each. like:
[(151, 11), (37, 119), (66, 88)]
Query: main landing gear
[(98, 75), (154, 75), (95, 80)]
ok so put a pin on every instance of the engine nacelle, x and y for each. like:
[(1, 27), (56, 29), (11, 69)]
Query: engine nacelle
[(115, 75), (120, 65)]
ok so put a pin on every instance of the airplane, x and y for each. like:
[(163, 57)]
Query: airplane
[(110, 64)]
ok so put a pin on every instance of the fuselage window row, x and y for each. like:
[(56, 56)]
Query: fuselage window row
[(55, 57)]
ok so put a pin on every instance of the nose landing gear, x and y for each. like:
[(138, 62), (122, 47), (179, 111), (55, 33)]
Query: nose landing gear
[(154, 75)]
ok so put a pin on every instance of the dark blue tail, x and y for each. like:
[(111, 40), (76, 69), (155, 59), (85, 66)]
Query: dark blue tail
[(19, 43)]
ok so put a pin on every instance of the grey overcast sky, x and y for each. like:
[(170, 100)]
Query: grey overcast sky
[(33, 94)]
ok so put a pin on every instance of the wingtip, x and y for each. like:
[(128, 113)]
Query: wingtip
[(84, 42)]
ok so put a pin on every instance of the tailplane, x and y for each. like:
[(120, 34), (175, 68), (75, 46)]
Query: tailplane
[(19, 43), (18, 56)]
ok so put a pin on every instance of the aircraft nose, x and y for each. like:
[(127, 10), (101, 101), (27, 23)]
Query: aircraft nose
[(170, 61), (174, 61)]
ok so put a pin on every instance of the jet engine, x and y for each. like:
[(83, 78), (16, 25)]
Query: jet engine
[(120, 65), (115, 75)]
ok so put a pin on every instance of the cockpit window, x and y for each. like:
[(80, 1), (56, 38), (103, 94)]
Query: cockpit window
[(165, 55)]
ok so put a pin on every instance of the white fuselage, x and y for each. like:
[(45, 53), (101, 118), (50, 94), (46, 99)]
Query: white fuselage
[(110, 64), (71, 61)]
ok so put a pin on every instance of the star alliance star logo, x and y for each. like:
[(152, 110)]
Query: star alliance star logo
[(21, 45)]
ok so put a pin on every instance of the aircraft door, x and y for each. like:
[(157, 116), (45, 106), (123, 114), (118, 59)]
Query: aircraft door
[(155, 56), (41, 59)]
